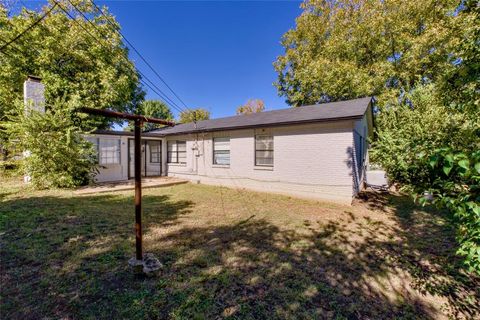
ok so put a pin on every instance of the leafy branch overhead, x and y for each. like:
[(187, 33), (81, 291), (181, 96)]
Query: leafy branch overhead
[(92, 67)]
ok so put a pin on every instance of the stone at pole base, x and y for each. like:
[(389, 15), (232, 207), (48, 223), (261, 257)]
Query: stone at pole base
[(149, 266)]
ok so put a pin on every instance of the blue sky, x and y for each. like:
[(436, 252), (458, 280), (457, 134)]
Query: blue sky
[(215, 55)]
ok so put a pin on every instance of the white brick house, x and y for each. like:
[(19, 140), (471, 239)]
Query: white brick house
[(317, 152)]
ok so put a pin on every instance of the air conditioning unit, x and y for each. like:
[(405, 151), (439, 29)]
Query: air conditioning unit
[(377, 179)]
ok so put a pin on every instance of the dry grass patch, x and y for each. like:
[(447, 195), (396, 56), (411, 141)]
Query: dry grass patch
[(227, 254)]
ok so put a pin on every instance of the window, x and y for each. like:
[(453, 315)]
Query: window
[(221, 151), (177, 152), (109, 151), (264, 150), (94, 141), (155, 151)]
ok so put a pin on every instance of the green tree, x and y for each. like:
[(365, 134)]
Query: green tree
[(420, 127), (452, 181), (55, 153), (252, 106), (194, 115), (346, 49), (420, 60), (73, 65), (153, 109)]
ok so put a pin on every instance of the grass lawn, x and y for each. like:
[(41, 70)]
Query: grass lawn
[(227, 254)]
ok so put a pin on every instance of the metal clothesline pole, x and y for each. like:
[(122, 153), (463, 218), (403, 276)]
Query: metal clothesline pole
[(138, 123)]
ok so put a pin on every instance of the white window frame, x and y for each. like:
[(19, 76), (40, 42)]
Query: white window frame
[(220, 150), (264, 150), (175, 151), (155, 156), (107, 157)]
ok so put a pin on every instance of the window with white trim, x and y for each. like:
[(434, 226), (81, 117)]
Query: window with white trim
[(108, 151), (264, 150), (176, 151), (155, 151), (221, 151)]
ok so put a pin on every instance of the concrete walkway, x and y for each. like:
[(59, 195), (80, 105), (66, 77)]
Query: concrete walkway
[(129, 185)]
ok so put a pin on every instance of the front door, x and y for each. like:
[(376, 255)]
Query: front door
[(151, 158)]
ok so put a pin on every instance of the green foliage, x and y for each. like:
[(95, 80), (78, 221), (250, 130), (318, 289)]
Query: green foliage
[(153, 109), (252, 106), (460, 86), (420, 60), (72, 64), (57, 155), (346, 49), (408, 131), (194, 115), (454, 182)]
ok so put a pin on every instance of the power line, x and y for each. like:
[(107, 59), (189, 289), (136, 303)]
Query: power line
[(138, 53), (91, 56), (157, 90), (28, 28)]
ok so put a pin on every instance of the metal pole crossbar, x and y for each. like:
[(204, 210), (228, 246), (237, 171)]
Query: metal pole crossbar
[(138, 121)]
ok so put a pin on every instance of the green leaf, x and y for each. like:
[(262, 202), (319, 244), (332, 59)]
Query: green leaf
[(449, 158), (464, 164), (447, 168), (433, 161), (477, 167)]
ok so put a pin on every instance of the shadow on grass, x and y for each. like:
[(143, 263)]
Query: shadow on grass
[(66, 258), (55, 250), (427, 252)]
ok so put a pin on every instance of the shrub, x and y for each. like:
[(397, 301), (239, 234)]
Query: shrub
[(416, 128), (454, 182), (55, 153)]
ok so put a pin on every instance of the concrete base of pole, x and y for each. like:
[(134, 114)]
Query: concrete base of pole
[(149, 266)]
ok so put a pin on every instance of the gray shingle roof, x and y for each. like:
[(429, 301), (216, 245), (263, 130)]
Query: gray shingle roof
[(333, 111)]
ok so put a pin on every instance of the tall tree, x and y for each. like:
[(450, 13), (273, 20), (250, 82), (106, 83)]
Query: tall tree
[(153, 109), (77, 60), (194, 115), (346, 49), (252, 106)]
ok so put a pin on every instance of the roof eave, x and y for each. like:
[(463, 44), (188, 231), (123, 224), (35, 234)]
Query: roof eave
[(278, 124)]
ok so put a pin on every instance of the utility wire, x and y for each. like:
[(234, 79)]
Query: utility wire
[(138, 53), (159, 92), (28, 28), (91, 56), (156, 90)]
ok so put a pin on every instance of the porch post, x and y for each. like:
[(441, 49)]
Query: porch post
[(138, 190)]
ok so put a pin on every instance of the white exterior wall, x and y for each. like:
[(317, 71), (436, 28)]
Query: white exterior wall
[(119, 172), (114, 172), (310, 161)]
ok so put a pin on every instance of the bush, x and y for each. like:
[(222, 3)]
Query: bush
[(416, 128), (58, 156), (425, 144), (454, 182)]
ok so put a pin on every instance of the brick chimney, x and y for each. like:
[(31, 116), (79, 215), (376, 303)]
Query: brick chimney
[(34, 99), (34, 94)]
